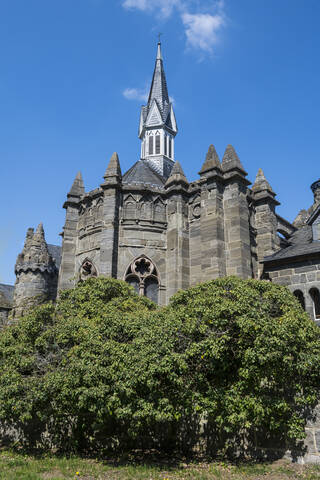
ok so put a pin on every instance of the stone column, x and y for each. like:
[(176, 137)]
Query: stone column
[(110, 223), (178, 270), (265, 220), (236, 216), (213, 264), (67, 274)]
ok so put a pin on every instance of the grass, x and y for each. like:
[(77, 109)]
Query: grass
[(18, 466)]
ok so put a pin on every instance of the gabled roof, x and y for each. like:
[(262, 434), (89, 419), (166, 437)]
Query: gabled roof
[(142, 173)]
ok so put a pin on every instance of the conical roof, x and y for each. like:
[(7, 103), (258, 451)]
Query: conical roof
[(77, 188), (177, 175), (211, 161)]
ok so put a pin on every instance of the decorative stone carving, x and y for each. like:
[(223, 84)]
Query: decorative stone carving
[(87, 270)]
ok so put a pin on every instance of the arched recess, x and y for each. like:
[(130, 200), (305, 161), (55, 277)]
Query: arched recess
[(159, 210), (130, 207), (142, 274), (87, 270), (315, 296), (300, 298)]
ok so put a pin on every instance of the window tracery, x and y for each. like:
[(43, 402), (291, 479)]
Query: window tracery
[(143, 277)]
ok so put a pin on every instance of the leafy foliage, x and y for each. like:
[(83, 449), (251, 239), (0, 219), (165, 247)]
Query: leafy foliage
[(104, 368)]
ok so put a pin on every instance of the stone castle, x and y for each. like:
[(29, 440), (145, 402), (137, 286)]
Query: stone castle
[(152, 228)]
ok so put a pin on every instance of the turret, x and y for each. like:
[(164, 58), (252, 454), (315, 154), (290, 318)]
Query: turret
[(36, 273)]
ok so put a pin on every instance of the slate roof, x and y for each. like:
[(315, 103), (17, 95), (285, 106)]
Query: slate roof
[(6, 295), (142, 173), (55, 252), (300, 243)]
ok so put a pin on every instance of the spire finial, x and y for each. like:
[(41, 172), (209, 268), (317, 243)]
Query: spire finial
[(159, 54)]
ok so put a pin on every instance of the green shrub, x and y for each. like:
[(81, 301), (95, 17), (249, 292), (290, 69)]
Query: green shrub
[(106, 369)]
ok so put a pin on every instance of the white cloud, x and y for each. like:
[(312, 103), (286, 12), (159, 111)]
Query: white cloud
[(164, 7), (201, 29), (201, 26), (135, 94)]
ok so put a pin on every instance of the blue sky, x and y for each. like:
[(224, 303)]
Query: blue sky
[(73, 74)]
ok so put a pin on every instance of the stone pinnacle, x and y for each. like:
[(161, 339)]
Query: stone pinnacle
[(211, 161), (231, 160), (177, 175), (77, 188), (113, 168), (261, 182)]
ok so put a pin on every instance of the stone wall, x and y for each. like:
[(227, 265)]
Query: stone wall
[(298, 275)]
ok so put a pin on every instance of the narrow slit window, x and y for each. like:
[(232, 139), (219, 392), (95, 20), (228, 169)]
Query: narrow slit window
[(157, 144), (170, 147), (165, 145), (151, 145)]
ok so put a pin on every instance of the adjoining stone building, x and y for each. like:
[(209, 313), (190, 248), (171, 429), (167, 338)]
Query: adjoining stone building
[(154, 229)]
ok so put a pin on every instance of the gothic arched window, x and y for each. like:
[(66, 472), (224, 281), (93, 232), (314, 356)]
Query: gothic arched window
[(87, 270), (300, 298), (315, 295), (151, 145), (157, 152), (143, 276)]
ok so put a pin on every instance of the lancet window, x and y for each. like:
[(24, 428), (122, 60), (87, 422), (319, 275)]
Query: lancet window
[(315, 296), (300, 297), (143, 277)]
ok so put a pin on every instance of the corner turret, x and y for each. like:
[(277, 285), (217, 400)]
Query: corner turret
[(36, 273)]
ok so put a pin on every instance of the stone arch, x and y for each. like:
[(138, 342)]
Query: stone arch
[(87, 269), (315, 296), (130, 208), (145, 208), (300, 297), (159, 210), (144, 276)]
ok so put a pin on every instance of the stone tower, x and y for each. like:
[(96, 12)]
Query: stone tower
[(36, 272)]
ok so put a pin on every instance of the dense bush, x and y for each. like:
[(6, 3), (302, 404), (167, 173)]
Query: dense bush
[(106, 369)]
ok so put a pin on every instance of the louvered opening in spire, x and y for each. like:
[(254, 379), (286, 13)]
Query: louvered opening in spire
[(159, 89)]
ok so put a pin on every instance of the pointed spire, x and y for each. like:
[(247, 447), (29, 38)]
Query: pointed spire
[(261, 183), (231, 160), (159, 89), (212, 161), (77, 188), (113, 168), (177, 176)]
